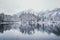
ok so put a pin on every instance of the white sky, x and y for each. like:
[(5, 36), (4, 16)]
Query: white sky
[(15, 6)]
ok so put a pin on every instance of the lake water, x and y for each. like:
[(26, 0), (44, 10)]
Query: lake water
[(30, 31)]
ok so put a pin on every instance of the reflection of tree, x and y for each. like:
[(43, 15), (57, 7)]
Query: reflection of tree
[(53, 28), (27, 29), (1, 28), (4, 27), (56, 30), (30, 28)]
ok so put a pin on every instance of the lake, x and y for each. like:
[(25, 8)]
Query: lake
[(37, 31)]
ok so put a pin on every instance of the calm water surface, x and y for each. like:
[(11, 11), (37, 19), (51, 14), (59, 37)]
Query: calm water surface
[(30, 31)]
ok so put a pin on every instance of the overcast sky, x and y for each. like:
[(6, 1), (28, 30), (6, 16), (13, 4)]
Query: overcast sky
[(15, 6)]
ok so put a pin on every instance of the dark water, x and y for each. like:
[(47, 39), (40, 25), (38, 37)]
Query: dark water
[(37, 31)]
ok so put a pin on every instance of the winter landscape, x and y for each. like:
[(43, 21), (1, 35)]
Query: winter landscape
[(29, 19), (30, 25)]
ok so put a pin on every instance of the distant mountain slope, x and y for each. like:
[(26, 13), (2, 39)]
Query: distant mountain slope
[(29, 15)]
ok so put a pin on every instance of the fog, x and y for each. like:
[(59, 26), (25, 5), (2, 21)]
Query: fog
[(14, 6)]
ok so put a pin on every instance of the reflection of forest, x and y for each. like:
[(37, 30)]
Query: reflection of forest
[(4, 27), (30, 28), (53, 28)]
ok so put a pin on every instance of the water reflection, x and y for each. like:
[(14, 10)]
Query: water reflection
[(30, 28), (52, 28), (4, 27)]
